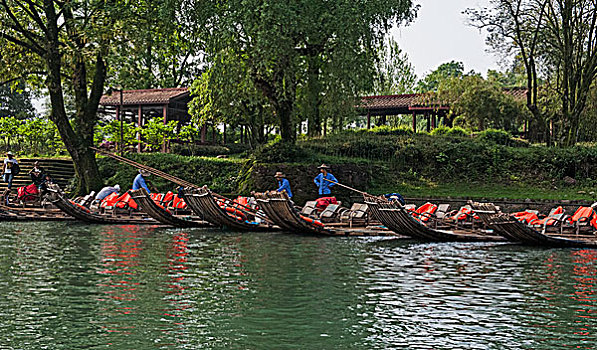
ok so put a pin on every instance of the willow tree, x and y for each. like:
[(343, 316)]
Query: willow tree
[(309, 46)]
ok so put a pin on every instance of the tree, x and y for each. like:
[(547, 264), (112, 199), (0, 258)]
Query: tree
[(309, 46), (395, 74), (164, 48), (15, 101), (482, 103), (67, 42), (443, 73), (557, 38), (241, 104)]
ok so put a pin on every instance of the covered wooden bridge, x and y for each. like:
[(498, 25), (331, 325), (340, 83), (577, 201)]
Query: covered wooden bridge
[(425, 105)]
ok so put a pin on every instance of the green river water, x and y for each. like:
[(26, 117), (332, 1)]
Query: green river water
[(74, 286)]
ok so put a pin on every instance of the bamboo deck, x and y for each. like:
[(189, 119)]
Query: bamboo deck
[(203, 202), (147, 205), (399, 220), (32, 214)]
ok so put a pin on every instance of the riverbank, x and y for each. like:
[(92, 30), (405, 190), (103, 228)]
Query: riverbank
[(491, 166)]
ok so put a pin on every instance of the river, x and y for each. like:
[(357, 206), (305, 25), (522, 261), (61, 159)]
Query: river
[(73, 286)]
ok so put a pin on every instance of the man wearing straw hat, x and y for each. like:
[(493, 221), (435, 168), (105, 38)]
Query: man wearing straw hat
[(321, 180), (139, 181), (283, 183)]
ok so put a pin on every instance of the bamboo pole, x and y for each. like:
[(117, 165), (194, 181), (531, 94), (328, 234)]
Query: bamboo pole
[(180, 182)]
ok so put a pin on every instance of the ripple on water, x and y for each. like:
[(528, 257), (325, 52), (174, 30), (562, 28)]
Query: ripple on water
[(70, 286)]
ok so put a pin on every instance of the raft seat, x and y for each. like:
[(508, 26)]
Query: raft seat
[(309, 209), (584, 219), (358, 213)]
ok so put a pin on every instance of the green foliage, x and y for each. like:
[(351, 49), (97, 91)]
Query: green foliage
[(111, 132), (221, 175), (282, 152), (458, 132), (444, 72), (395, 74), (387, 130), (15, 101), (204, 150), (499, 137), (156, 134), (441, 131), (318, 50), (31, 136)]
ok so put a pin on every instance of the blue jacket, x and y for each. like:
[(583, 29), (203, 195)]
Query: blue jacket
[(139, 182), (284, 185), (324, 186)]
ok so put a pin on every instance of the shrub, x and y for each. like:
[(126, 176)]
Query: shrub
[(499, 137), (440, 131), (388, 130), (199, 150), (221, 175), (458, 132), (282, 152)]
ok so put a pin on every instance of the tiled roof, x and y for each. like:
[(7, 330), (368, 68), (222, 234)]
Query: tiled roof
[(407, 101), (148, 96)]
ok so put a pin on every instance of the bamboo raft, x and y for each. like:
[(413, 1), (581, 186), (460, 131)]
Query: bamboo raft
[(517, 231), (83, 214), (202, 200), (395, 217), (162, 215), (486, 212), (282, 211), (32, 214)]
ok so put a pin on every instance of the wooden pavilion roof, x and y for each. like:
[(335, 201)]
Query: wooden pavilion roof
[(145, 97), (406, 103)]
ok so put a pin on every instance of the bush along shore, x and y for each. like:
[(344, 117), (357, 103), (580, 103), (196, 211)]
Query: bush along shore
[(490, 165)]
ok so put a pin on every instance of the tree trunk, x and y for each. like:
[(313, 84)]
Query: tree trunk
[(313, 90), (284, 113), (77, 143)]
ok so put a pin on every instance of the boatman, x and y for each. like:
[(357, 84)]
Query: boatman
[(320, 180), (283, 184), (139, 181)]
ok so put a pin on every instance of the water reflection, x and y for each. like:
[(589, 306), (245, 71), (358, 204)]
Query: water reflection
[(75, 286)]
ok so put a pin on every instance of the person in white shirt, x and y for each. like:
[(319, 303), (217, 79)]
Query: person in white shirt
[(9, 169)]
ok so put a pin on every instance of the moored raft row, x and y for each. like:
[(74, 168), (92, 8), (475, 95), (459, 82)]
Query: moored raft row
[(84, 214), (398, 219), (283, 212), (517, 231)]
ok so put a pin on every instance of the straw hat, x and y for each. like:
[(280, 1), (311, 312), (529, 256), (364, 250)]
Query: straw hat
[(144, 172), (9, 153), (279, 174), (323, 166)]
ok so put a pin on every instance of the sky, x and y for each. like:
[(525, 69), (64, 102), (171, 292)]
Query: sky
[(441, 34)]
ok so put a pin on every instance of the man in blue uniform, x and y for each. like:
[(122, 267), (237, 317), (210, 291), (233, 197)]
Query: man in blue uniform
[(320, 180), (139, 181), (283, 184)]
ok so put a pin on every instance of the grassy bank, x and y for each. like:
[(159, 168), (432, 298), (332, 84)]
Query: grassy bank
[(489, 165)]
